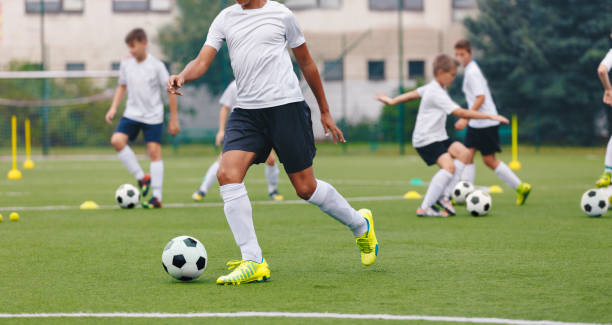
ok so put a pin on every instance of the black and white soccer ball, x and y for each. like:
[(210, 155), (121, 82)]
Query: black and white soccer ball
[(184, 258), (127, 196), (461, 191), (478, 203), (594, 203)]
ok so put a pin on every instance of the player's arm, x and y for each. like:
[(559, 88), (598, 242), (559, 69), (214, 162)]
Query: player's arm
[(194, 70), (470, 114), (174, 126), (222, 120), (116, 100), (602, 71), (403, 98), (311, 74), (462, 123)]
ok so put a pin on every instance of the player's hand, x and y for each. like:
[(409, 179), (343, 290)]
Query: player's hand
[(501, 119), (330, 126), (461, 124), (175, 82), (382, 97), (174, 127), (110, 115), (607, 98), (219, 138)]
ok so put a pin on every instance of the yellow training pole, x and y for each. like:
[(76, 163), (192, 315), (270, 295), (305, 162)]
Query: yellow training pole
[(14, 173), (514, 164), (28, 163)]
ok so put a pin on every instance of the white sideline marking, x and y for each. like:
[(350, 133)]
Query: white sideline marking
[(197, 205), (449, 319)]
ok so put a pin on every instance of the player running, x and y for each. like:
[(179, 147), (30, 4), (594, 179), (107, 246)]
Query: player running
[(603, 72), (143, 76), (228, 102), (270, 114), (430, 139), (483, 135)]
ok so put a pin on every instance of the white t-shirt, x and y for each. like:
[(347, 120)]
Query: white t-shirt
[(229, 96), (431, 119), (607, 61), (145, 81), (474, 85), (257, 40)]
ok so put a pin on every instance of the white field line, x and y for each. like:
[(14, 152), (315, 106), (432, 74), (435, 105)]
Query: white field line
[(196, 205), (449, 319)]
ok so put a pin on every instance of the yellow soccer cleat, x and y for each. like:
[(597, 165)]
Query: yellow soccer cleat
[(367, 243), (274, 196), (244, 272), (198, 196), (604, 180), (522, 192)]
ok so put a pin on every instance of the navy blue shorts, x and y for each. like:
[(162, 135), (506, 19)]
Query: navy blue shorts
[(150, 132), (485, 140), (431, 152), (287, 129)]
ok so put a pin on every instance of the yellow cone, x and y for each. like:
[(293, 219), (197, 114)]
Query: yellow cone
[(14, 216), (0, 218), (515, 165), (89, 205), (495, 190), (412, 195), (28, 164), (14, 174)]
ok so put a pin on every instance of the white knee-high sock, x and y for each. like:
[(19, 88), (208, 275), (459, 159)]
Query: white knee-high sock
[(436, 187), (507, 175), (459, 167), (469, 173), (608, 161), (335, 205), (129, 160), (272, 177), (211, 177), (157, 178), (239, 215)]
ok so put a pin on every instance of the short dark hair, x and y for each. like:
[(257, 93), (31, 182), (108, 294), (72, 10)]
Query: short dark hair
[(445, 63), (136, 34), (463, 45)]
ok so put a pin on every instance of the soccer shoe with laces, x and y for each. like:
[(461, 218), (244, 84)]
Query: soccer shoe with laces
[(431, 212), (244, 272), (198, 196), (367, 243), (274, 196), (153, 203), (447, 205), (522, 192), (604, 180), (145, 184)]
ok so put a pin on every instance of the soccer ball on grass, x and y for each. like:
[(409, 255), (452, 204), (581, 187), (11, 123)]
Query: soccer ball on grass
[(127, 196), (184, 258)]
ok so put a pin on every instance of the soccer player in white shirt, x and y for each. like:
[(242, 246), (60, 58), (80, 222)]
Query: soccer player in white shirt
[(271, 114), (143, 76), (603, 72), (228, 102), (430, 138), (483, 135)]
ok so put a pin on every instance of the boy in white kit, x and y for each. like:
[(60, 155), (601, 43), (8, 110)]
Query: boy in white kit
[(603, 72), (271, 114), (143, 76), (430, 139), (228, 102), (483, 135)]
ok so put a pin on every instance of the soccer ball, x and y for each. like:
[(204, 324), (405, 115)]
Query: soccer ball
[(594, 203), (461, 191), (127, 196), (184, 258), (478, 203)]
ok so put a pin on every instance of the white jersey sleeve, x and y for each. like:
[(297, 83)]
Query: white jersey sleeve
[(216, 34), (122, 74), (293, 32), (230, 95), (607, 61), (421, 90)]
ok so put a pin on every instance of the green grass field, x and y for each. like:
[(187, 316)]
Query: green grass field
[(545, 260)]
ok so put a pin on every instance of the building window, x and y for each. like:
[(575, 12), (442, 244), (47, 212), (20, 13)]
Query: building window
[(142, 5), (75, 66), (465, 4), (376, 70), (333, 70), (416, 69), (312, 4), (115, 66), (411, 5), (54, 6)]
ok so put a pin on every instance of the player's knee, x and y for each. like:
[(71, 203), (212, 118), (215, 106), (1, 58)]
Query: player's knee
[(117, 143), (305, 191), (227, 176), (270, 161), (449, 168)]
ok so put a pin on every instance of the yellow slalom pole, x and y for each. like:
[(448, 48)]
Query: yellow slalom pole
[(514, 164), (28, 163), (14, 173)]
